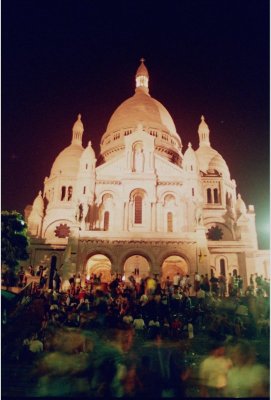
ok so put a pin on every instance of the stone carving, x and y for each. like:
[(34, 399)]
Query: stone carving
[(139, 160)]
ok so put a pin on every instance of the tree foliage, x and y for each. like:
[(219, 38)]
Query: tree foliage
[(14, 242), (215, 233)]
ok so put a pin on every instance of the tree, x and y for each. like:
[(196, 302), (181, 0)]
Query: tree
[(214, 233), (14, 242)]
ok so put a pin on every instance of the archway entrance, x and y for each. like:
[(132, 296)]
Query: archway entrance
[(136, 265), (172, 265), (99, 265)]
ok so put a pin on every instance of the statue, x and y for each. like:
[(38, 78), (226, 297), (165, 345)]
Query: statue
[(84, 211), (139, 160)]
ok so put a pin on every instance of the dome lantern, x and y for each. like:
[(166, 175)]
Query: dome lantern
[(203, 132), (142, 77), (77, 131)]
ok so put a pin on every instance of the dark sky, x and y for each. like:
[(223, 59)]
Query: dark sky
[(207, 57)]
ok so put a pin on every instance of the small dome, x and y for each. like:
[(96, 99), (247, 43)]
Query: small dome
[(88, 153), (78, 125), (240, 205), (190, 158), (217, 163), (67, 162), (38, 203), (203, 127), (209, 159), (204, 155)]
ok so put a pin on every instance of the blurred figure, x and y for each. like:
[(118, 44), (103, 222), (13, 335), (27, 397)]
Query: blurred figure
[(230, 284), (213, 373), (246, 378), (197, 282), (222, 285)]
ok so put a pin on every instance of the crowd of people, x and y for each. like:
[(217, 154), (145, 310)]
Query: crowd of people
[(132, 338)]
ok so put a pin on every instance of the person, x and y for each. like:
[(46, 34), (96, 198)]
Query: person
[(213, 372), (196, 282), (206, 283), (246, 378), (139, 323), (31, 270), (239, 285), (57, 281), (176, 280), (35, 345), (222, 285), (251, 282), (230, 284), (21, 276), (214, 284)]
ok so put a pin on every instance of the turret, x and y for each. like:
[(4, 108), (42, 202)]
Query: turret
[(142, 78), (203, 132)]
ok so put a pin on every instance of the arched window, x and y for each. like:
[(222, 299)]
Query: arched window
[(138, 209), (193, 192), (216, 196), (169, 222), (69, 193), (63, 192), (106, 220), (209, 196), (222, 267)]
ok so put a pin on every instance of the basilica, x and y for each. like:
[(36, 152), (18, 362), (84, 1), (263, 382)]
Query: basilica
[(146, 205)]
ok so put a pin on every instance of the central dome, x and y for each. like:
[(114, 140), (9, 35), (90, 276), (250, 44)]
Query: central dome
[(142, 109)]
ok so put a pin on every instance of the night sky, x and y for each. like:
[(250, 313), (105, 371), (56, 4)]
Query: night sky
[(207, 57)]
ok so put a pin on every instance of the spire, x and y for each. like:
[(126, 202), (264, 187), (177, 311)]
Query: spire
[(77, 131), (142, 77), (203, 132)]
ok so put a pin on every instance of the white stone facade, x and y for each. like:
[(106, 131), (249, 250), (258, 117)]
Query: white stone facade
[(143, 202)]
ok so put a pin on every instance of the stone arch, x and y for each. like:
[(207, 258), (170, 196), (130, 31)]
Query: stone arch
[(172, 264), (168, 196), (99, 264), (49, 230), (106, 194), (227, 233), (218, 259), (106, 211), (138, 191), (136, 265), (136, 252), (170, 209), (139, 210)]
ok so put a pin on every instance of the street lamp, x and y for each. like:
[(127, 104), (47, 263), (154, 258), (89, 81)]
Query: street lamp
[(199, 257)]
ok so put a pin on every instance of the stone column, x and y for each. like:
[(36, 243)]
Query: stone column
[(153, 217), (159, 210), (125, 216)]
